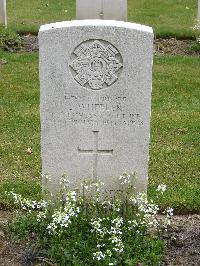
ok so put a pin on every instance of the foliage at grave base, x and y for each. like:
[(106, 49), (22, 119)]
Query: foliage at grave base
[(195, 47), (84, 230), (30, 188), (183, 198), (9, 40)]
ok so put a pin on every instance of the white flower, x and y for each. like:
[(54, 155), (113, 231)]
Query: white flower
[(170, 212), (98, 255), (108, 253), (196, 27), (40, 216), (161, 188), (62, 218), (47, 177), (125, 179), (64, 181)]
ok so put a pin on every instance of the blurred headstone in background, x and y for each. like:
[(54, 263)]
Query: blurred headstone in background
[(3, 16), (102, 9)]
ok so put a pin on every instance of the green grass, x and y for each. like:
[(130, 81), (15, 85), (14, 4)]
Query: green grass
[(167, 17), (174, 154), (20, 127), (174, 157), (27, 16)]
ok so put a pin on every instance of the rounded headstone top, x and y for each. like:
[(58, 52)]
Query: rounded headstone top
[(96, 23)]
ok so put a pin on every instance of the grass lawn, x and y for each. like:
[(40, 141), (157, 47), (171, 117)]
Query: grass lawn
[(175, 125), (167, 17), (175, 134)]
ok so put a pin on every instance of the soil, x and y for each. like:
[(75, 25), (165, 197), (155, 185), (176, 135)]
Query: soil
[(183, 241), (9, 255), (172, 46), (183, 238), (30, 43)]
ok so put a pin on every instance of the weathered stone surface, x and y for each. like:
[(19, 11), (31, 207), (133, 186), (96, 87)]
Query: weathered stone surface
[(101, 9), (3, 16), (95, 78)]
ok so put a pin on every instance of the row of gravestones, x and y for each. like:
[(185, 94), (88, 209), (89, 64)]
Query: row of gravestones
[(86, 10)]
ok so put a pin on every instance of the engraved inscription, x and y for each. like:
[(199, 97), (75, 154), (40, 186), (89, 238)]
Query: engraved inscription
[(100, 110), (96, 64)]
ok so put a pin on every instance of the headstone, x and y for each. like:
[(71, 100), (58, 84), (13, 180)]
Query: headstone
[(3, 16), (96, 78), (101, 9)]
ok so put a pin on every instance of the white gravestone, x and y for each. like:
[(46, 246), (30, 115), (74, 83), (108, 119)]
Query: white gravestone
[(101, 9), (96, 78), (3, 16)]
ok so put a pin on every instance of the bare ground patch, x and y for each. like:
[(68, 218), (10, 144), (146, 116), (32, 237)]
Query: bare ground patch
[(172, 46), (9, 255), (183, 241)]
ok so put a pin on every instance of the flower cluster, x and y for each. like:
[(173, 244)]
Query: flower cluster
[(127, 179), (87, 185), (161, 188), (169, 212), (62, 218), (197, 26), (107, 231), (64, 182), (146, 215), (26, 204), (112, 223), (116, 233), (59, 219)]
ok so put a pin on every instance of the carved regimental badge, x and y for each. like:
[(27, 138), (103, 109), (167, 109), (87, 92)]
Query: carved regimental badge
[(96, 64)]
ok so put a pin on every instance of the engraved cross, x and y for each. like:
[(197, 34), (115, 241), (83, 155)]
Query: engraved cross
[(96, 152)]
